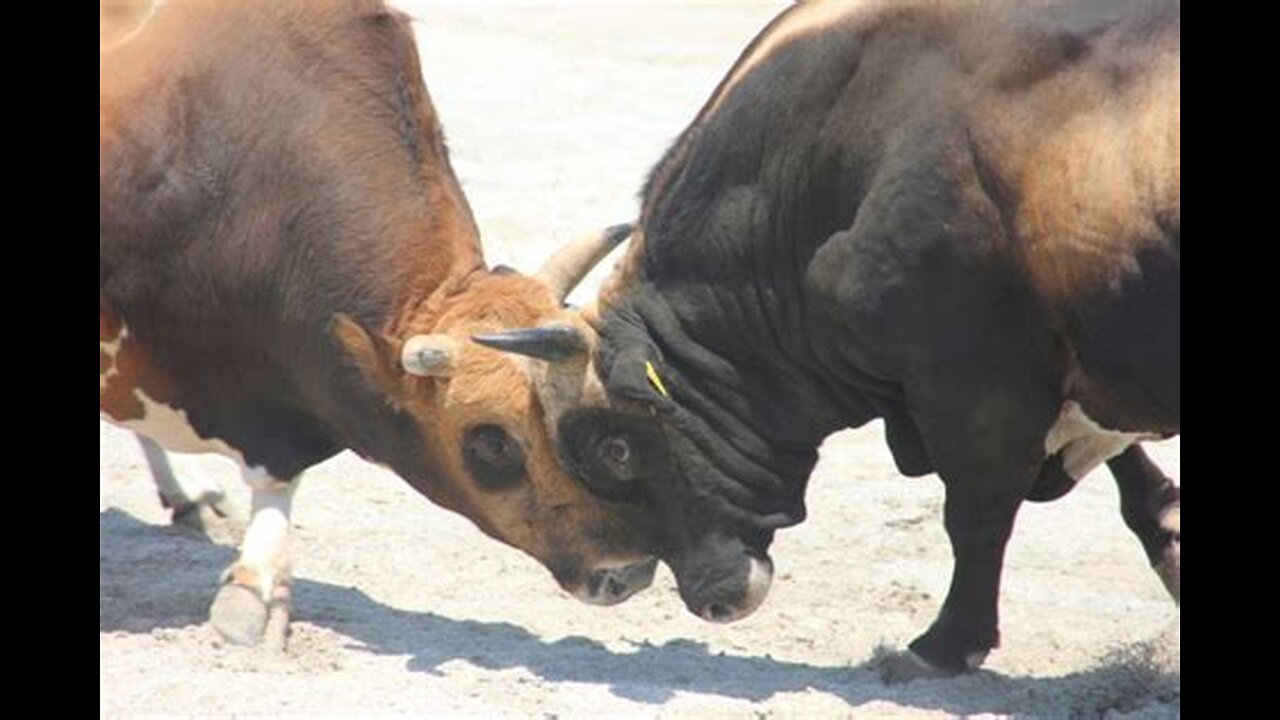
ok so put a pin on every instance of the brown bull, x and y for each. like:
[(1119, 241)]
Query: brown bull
[(289, 268)]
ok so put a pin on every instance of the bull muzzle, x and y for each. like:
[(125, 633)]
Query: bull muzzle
[(727, 590), (612, 585)]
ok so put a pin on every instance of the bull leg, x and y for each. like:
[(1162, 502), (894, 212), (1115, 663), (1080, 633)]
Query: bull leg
[(987, 441), (194, 499), (253, 603), (968, 626), (1151, 506)]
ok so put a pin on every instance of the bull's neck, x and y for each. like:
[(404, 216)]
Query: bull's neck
[(740, 338), (406, 277), (436, 264)]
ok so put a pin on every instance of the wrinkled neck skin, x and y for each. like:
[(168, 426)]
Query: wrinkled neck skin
[(748, 409)]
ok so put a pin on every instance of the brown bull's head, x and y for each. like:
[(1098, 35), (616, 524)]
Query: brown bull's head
[(479, 412)]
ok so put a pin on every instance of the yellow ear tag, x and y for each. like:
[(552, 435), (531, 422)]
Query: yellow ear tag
[(654, 380)]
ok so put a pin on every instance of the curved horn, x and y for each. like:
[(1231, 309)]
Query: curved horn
[(549, 342), (427, 355), (565, 269)]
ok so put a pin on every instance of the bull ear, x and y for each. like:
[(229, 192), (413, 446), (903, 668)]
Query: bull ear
[(636, 374), (375, 354)]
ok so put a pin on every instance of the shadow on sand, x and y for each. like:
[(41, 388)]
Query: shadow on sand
[(137, 557)]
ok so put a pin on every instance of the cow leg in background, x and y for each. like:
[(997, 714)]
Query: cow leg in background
[(1152, 507), (195, 500), (253, 603)]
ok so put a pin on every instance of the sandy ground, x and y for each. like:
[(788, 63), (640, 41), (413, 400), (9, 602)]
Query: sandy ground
[(554, 115)]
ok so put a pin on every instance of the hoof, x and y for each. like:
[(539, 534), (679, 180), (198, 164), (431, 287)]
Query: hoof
[(947, 652), (239, 615), (895, 668), (276, 631)]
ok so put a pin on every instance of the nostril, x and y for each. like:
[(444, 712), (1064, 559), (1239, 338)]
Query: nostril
[(594, 582), (616, 587), (718, 611)]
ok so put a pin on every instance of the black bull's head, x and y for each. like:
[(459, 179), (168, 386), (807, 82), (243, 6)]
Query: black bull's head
[(631, 430)]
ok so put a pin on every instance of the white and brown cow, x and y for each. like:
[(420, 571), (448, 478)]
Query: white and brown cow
[(289, 268)]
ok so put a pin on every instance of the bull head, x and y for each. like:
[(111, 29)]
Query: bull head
[(481, 414), (631, 443), (561, 273)]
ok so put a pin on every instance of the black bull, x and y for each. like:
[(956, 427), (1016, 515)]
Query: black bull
[(963, 220)]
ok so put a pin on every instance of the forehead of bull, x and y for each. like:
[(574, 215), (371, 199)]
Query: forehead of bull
[(488, 301)]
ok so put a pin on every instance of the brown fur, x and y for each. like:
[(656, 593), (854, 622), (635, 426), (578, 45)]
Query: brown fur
[(551, 516), (109, 324), (338, 102), (1089, 197), (118, 18), (1076, 139)]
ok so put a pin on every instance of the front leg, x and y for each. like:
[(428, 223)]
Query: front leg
[(968, 626), (253, 603)]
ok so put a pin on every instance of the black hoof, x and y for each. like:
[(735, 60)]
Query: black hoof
[(951, 654)]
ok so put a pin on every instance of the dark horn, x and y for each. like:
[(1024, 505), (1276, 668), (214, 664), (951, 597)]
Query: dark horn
[(549, 342)]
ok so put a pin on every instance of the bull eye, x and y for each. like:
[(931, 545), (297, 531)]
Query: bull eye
[(618, 450), (613, 455), (492, 447), (493, 457)]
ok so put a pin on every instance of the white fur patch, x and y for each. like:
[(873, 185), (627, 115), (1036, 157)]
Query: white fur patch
[(165, 424), (759, 579), (266, 541), (111, 348), (1085, 444), (169, 427)]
